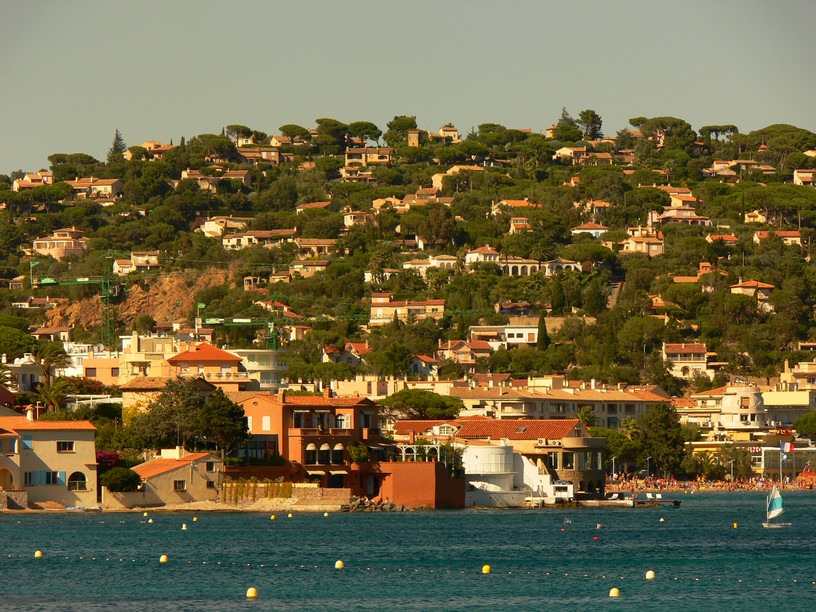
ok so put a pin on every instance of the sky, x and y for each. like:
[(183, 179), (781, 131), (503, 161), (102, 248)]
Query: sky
[(74, 72)]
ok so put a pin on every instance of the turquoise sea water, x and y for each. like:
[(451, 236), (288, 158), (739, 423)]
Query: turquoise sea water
[(419, 560)]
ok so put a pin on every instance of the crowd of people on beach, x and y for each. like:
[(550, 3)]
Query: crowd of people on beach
[(633, 484)]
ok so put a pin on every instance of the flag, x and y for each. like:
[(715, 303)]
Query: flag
[(786, 447)]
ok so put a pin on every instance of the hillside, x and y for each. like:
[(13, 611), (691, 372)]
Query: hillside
[(166, 298)]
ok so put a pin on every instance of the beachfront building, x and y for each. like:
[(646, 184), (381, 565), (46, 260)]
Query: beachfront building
[(562, 449), (315, 433), (727, 409), (52, 462), (174, 477)]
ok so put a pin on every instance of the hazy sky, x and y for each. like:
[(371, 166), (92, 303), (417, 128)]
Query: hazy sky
[(73, 72)]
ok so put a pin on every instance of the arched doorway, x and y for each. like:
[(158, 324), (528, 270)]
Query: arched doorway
[(6, 479)]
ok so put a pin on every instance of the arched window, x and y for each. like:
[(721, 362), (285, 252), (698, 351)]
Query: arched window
[(337, 454), (341, 421), (77, 482), (310, 457), (323, 455)]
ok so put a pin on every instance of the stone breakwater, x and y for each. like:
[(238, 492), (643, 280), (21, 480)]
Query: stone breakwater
[(363, 504)]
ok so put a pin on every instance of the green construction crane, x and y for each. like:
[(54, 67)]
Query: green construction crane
[(108, 290)]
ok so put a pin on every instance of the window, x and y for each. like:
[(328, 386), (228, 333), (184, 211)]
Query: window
[(114, 371), (179, 485), (569, 461), (28, 442), (49, 478), (77, 482), (65, 446), (210, 484), (31, 479), (209, 466), (90, 371), (266, 423)]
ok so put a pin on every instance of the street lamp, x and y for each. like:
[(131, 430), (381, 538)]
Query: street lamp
[(648, 466), (613, 466), (732, 469)]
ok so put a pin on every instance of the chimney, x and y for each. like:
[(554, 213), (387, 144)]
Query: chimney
[(29, 414), (327, 392), (592, 384)]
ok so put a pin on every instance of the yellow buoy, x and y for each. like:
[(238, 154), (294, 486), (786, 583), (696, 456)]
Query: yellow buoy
[(662, 520), (149, 520), (145, 514), (485, 569), (272, 518), (184, 526), (339, 564), (650, 575), (735, 525), (252, 593), (195, 519), (289, 515), (163, 559), (38, 554), (614, 592), (325, 514)]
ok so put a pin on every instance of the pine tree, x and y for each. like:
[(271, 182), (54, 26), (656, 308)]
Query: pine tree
[(543, 336), (117, 149)]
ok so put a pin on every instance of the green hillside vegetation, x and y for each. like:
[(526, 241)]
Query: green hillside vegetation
[(160, 211)]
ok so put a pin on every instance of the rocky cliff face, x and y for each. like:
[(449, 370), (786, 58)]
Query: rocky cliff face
[(167, 298)]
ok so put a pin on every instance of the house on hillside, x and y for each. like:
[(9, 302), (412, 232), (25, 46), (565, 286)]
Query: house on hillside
[(596, 230), (215, 227), (756, 289), (301, 208), (62, 243), (139, 262), (803, 177), (216, 366), (688, 359), (423, 367), (384, 309), (93, 187), (788, 237), (33, 180), (266, 238)]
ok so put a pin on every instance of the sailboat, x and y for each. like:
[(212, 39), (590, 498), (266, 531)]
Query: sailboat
[(773, 509)]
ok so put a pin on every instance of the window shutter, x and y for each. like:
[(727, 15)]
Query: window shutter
[(35, 479), (61, 478), (27, 442), (43, 477)]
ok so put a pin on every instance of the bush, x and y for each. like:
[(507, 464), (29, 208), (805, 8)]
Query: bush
[(358, 453), (120, 480)]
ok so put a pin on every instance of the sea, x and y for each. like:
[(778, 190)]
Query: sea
[(711, 553)]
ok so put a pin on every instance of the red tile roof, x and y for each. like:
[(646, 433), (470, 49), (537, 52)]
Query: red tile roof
[(204, 353), (162, 465), (21, 423)]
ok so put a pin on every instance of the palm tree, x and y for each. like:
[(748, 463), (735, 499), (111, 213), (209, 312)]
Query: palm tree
[(6, 377), (53, 394), (50, 357), (629, 428), (586, 415)]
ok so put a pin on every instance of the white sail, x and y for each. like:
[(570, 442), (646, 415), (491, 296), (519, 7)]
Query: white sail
[(774, 504)]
